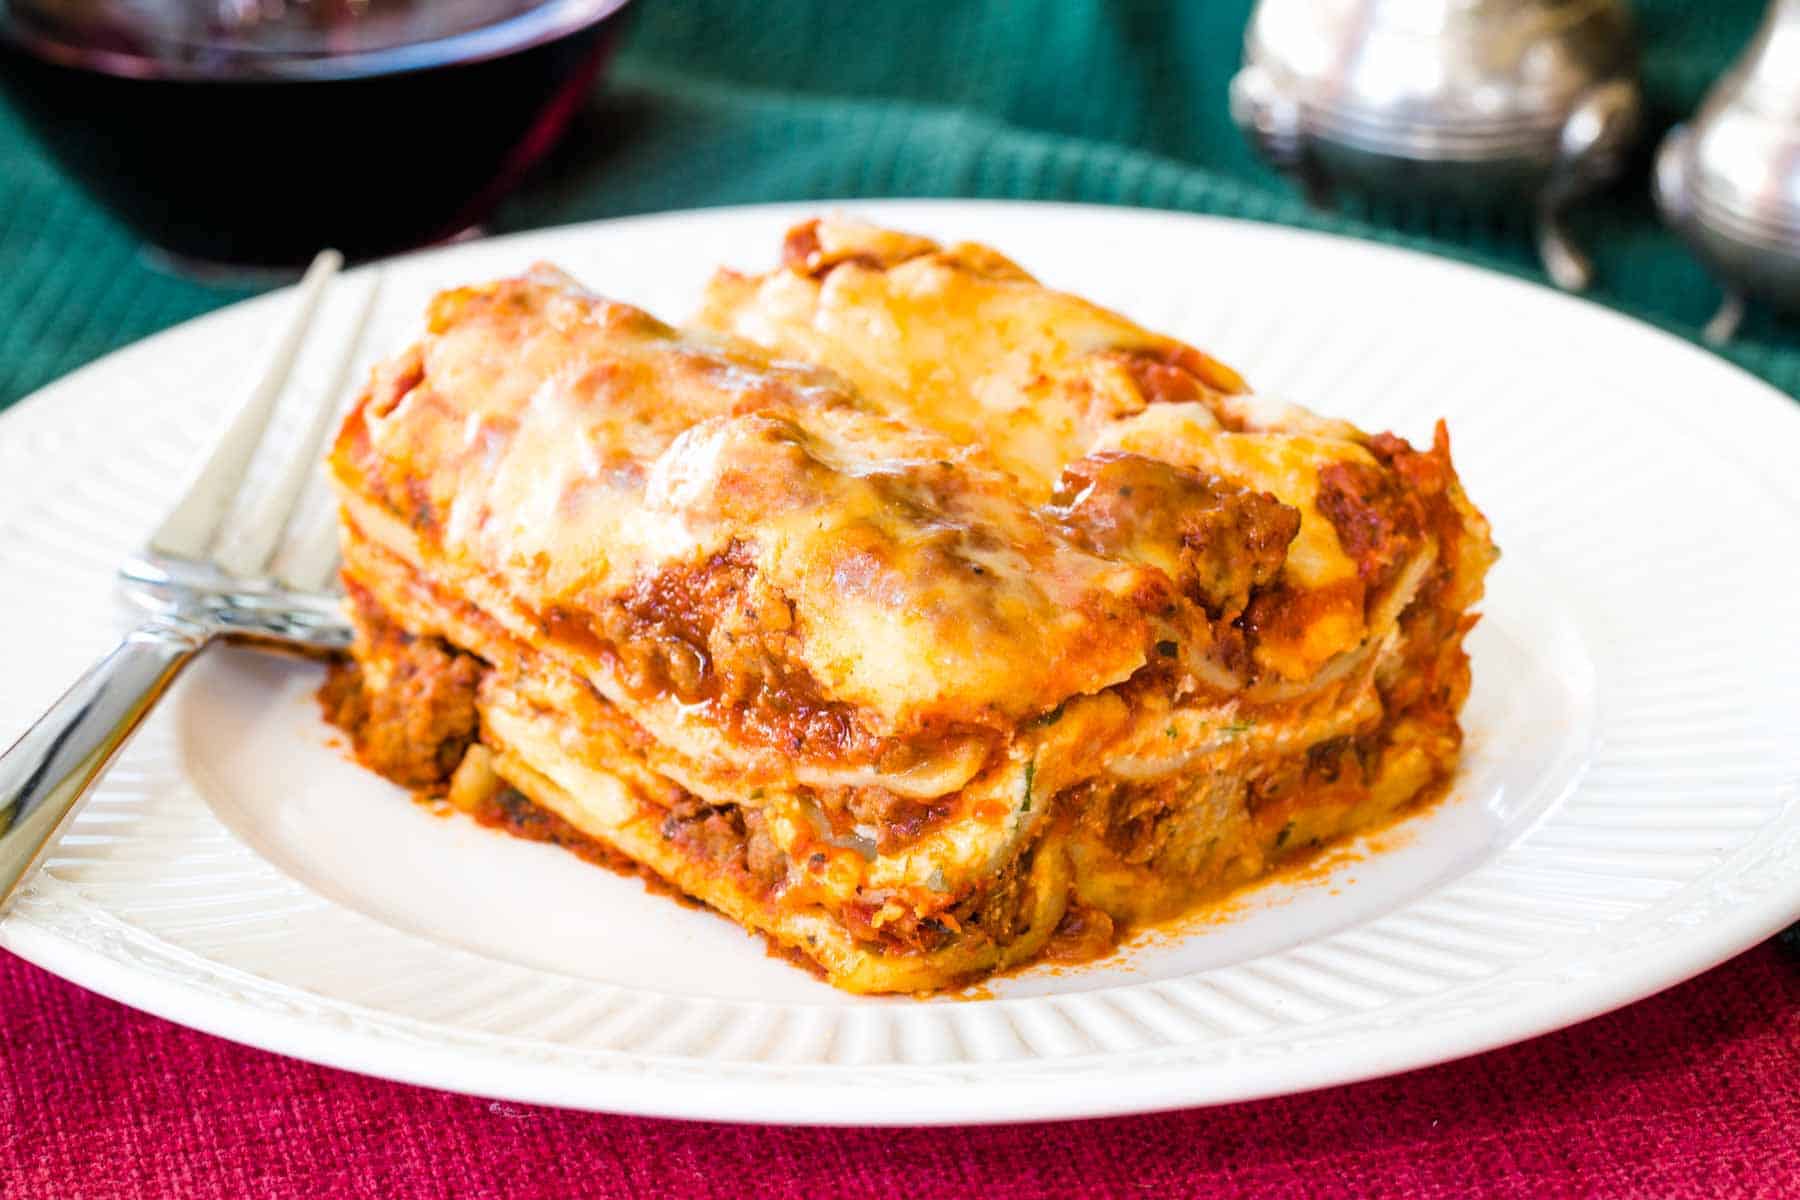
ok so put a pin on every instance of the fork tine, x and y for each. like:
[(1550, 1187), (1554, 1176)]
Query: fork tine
[(248, 551), (310, 558), (189, 529)]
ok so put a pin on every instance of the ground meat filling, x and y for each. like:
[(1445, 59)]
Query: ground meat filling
[(891, 821), (415, 727), (1217, 540), (695, 632), (898, 821), (1131, 821), (1001, 908), (1339, 768), (663, 630), (998, 909), (1181, 375), (508, 809), (1084, 934), (1379, 524), (729, 837)]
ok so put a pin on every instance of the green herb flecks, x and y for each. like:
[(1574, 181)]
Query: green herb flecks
[(1051, 717), (1169, 733), (1030, 778), (1238, 727)]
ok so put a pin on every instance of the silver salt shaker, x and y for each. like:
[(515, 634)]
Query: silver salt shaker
[(1485, 103), (1729, 179)]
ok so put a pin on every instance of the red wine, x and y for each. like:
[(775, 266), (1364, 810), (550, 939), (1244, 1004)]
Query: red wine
[(368, 125)]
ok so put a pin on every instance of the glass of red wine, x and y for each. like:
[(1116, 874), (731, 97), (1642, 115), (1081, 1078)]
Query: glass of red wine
[(251, 133)]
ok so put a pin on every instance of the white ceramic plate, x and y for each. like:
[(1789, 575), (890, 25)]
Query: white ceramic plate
[(1628, 814)]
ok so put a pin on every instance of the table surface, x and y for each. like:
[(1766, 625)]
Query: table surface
[(1688, 1094), (1694, 1092)]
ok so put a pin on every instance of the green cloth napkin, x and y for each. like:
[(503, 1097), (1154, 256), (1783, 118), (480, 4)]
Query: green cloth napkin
[(734, 101)]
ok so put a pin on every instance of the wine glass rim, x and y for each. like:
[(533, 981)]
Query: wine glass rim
[(544, 22)]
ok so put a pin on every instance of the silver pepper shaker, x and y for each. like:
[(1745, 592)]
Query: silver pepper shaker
[(1478, 102), (1729, 179)]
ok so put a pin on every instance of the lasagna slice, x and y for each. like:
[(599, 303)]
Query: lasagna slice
[(918, 617)]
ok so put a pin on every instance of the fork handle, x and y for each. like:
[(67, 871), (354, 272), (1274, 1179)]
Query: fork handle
[(48, 770)]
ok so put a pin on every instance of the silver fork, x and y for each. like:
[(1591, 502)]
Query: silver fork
[(206, 575)]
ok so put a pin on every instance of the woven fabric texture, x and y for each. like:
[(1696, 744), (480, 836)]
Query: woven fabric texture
[(737, 101), (1688, 1094)]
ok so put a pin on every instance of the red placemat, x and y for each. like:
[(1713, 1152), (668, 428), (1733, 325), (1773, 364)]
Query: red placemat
[(1692, 1093)]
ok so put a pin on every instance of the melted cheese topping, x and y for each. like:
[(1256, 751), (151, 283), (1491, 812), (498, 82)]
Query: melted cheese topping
[(957, 341), (572, 449), (962, 341)]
